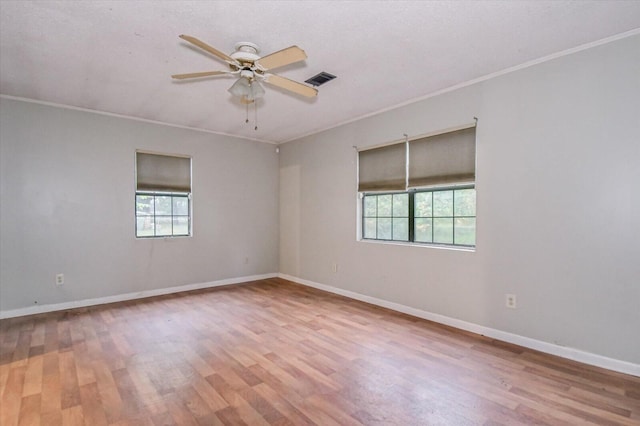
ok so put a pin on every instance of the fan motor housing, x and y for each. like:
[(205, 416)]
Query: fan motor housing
[(246, 52)]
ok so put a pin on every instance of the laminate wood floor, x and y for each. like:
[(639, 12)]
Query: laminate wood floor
[(273, 352)]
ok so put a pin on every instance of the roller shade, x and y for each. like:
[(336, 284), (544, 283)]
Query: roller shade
[(443, 159), (383, 169), (168, 173)]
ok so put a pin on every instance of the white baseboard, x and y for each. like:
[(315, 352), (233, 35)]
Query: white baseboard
[(550, 348), (128, 296)]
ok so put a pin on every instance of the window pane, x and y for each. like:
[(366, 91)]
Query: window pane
[(163, 205), (384, 206), (181, 225), (370, 228), (401, 229), (422, 232), (442, 203), (144, 205), (370, 206), (180, 206), (400, 205), (144, 226), (163, 226), (443, 230), (422, 201), (384, 228), (465, 231), (465, 203)]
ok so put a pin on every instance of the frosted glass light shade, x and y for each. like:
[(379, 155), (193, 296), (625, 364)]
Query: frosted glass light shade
[(251, 90), (240, 88), (256, 91)]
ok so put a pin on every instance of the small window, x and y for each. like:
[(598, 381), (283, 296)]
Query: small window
[(386, 217), (163, 195), (161, 214), (445, 217)]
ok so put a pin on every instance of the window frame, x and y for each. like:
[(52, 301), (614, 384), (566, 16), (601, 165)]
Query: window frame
[(411, 219)]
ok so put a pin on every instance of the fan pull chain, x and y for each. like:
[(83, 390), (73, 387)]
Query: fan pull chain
[(247, 120), (255, 109)]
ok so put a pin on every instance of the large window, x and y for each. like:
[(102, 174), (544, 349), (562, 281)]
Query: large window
[(421, 190), (163, 195), (440, 216)]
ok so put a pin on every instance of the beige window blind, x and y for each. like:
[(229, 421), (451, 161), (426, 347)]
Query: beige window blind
[(443, 159), (168, 173), (383, 169)]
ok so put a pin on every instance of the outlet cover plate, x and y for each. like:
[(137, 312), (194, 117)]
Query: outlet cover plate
[(510, 301)]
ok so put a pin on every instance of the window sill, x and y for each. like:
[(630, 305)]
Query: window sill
[(167, 239), (422, 245)]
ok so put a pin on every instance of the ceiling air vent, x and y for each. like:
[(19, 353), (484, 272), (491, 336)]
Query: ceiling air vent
[(320, 79)]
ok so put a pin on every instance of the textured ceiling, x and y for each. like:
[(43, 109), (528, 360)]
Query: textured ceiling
[(117, 56)]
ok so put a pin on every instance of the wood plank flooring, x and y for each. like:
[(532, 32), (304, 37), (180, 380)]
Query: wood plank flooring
[(276, 353)]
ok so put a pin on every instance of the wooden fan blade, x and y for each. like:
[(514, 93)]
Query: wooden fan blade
[(290, 85), (204, 46), (281, 58), (198, 74)]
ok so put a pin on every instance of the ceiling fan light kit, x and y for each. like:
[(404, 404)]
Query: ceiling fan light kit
[(251, 69), (247, 89)]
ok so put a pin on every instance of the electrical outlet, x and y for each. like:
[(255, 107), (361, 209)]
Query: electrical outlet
[(510, 301), (59, 279)]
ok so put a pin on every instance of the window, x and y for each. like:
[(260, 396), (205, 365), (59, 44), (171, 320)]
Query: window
[(424, 190), (445, 216), (386, 217), (441, 216), (162, 214), (163, 195)]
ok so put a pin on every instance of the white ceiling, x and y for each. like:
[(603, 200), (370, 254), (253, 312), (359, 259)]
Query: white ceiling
[(117, 56)]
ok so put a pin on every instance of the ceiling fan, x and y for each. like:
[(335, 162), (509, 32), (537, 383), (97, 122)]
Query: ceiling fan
[(252, 69)]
